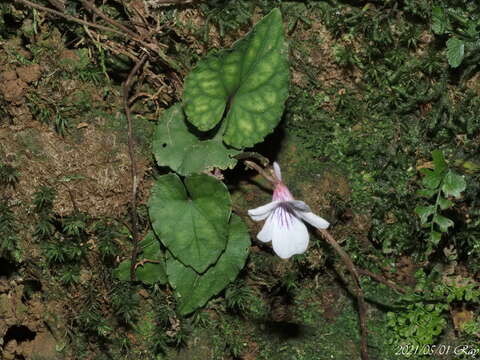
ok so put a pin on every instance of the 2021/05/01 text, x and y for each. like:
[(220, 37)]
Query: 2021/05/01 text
[(439, 350)]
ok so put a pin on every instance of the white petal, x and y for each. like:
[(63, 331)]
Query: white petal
[(299, 205), (291, 239), (278, 172), (265, 234), (312, 219), (263, 211)]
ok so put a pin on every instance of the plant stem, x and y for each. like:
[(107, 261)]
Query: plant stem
[(362, 307), (133, 164)]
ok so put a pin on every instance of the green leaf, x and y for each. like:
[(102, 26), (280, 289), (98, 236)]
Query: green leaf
[(432, 179), (424, 212), (153, 271), (455, 51), (443, 222), (191, 220), (453, 184), (428, 193), (246, 85), (435, 237), (122, 272), (439, 161), (193, 290), (440, 22), (444, 203), (150, 272), (175, 146)]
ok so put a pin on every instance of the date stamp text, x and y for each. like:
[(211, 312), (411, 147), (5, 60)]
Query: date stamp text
[(437, 350)]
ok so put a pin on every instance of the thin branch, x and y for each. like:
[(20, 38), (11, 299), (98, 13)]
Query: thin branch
[(129, 34), (253, 155), (133, 164), (170, 2), (261, 171), (90, 6), (362, 307), (382, 280), (69, 17)]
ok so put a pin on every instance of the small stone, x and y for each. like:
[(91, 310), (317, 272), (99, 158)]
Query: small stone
[(13, 90), (8, 75), (29, 73), (143, 293)]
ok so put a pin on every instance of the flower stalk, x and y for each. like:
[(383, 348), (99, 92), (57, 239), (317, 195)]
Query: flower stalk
[(289, 236)]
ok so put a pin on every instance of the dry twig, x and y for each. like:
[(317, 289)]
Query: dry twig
[(253, 155), (68, 17), (120, 29), (131, 152), (261, 171), (362, 307), (382, 280), (90, 6)]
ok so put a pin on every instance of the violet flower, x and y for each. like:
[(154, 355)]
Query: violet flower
[(284, 226)]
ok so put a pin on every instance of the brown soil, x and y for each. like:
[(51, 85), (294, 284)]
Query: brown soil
[(23, 326), (92, 176), (319, 58)]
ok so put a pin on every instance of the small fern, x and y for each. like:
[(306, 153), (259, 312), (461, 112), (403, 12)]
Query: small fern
[(440, 184)]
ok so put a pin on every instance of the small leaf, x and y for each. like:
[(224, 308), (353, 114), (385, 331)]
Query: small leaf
[(432, 179), (122, 272), (175, 146), (440, 22), (246, 85), (444, 203), (150, 272), (455, 51), (424, 212), (193, 290), (428, 193), (439, 161), (191, 220), (471, 167), (453, 184), (443, 222), (435, 237), (153, 270)]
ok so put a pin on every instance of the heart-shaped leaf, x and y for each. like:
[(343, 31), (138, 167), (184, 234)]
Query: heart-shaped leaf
[(193, 290), (191, 220), (246, 85), (153, 268), (175, 146)]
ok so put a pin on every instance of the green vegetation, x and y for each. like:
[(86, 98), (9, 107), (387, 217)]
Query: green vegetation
[(379, 134)]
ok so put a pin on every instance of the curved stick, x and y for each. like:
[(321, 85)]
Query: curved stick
[(133, 164), (362, 307)]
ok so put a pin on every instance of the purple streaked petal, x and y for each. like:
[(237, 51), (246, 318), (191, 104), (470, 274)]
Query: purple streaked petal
[(263, 211), (298, 205), (312, 219), (265, 235), (291, 240), (282, 216)]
